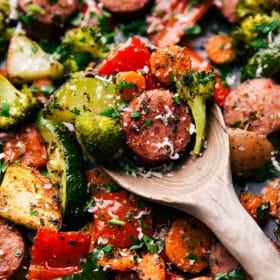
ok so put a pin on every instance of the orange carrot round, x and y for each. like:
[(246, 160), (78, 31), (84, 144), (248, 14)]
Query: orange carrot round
[(188, 243), (130, 84), (219, 49), (169, 63), (151, 267), (271, 194), (256, 206), (121, 259)]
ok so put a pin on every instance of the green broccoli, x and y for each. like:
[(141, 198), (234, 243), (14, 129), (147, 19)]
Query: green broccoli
[(251, 34), (253, 7), (6, 32), (195, 88), (100, 137), (15, 105), (79, 47), (264, 63)]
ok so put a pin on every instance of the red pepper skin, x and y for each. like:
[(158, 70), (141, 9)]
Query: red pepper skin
[(166, 15), (221, 91), (123, 206), (198, 63), (27, 147), (40, 272), (57, 254), (173, 276), (133, 55)]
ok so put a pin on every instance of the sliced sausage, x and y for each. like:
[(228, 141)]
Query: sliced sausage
[(155, 127), (254, 105), (124, 6), (227, 9), (12, 249), (48, 18), (221, 260)]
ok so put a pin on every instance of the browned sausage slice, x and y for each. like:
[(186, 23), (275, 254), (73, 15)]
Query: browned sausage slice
[(155, 127), (221, 260), (48, 17), (124, 6), (12, 249), (254, 105)]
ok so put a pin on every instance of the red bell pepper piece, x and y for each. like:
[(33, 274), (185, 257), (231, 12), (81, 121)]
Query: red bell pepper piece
[(173, 276), (200, 64), (118, 219), (58, 253), (167, 23), (40, 272), (27, 147), (133, 55)]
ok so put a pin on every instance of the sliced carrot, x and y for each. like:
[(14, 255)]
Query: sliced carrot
[(271, 194), (219, 49), (40, 84), (167, 63), (151, 267), (256, 206), (188, 243), (130, 84), (99, 179), (122, 259)]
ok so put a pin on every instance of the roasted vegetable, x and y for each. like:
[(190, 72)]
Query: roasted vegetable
[(249, 151), (195, 88), (29, 198), (15, 105), (66, 170), (5, 31), (253, 7), (264, 63), (79, 47), (252, 34), (79, 95), (100, 136), (26, 61)]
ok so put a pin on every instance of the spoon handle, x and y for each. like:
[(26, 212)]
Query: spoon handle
[(220, 209)]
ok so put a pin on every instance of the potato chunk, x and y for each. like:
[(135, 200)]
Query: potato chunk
[(27, 61), (28, 198)]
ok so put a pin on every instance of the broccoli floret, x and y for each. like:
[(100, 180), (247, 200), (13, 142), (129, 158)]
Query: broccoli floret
[(100, 137), (6, 32), (195, 88), (253, 7), (15, 105), (264, 63), (251, 34), (81, 46)]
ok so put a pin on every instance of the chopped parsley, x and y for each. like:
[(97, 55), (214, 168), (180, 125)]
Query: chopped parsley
[(5, 110), (135, 115), (110, 113)]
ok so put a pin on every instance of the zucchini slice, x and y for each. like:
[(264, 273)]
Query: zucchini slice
[(79, 95), (29, 198), (66, 169)]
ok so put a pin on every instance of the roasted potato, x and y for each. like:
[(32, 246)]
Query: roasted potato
[(26, 61), (249, 151)]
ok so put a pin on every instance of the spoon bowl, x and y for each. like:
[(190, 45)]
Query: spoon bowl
[(202, 186)]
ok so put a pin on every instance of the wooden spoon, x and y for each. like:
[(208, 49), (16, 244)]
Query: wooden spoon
[(203, 188)]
